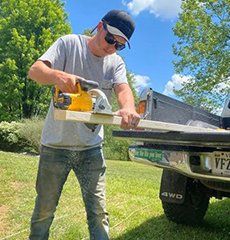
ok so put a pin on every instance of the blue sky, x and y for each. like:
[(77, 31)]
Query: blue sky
[(150, 57)]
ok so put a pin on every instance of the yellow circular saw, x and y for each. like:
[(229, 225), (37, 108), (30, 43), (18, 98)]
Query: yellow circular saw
[(87, 98)]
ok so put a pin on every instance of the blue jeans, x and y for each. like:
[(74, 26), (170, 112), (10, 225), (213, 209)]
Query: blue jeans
[(54, 167)]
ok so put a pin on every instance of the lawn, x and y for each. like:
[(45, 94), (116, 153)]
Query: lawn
[(132, 201)]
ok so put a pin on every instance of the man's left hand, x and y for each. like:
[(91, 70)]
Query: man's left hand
[(130, 119)]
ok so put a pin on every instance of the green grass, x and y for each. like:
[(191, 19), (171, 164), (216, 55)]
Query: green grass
[(132, 201)]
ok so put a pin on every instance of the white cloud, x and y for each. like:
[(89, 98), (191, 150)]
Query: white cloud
[(140, 82), (168, 9), (222, 86), (175, 84)]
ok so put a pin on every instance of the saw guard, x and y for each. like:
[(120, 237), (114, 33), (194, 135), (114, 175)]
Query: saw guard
[(100, 102)]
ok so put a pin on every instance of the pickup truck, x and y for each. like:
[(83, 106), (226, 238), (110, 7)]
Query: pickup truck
[(196, 166)]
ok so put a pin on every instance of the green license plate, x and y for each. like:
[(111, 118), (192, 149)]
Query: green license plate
[(152, 155)]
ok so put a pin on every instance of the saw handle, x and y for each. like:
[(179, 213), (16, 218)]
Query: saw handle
[(86, 85), (81, 85)]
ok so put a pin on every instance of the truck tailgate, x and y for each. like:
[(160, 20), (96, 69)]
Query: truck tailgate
[(220, 139)]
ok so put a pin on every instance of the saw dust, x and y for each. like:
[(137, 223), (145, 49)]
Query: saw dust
[(17, 186), (4, 224)]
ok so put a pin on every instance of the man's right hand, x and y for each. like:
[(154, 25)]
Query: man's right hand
[(66, 82)]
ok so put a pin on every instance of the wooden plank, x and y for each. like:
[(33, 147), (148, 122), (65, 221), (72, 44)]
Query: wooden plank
[(88, 117)]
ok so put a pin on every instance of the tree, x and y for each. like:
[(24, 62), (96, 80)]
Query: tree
[(27, 29), (202, 51)]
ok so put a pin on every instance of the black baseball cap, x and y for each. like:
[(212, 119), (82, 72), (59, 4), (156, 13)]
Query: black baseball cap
[(119, 23)]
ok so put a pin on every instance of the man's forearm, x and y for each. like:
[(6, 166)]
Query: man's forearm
[(130, 117), (125, 98), (42, 73)]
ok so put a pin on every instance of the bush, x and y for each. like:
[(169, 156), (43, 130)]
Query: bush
[(21, 136), (10, 137), (113, 148), (25, 136), (31, 130)]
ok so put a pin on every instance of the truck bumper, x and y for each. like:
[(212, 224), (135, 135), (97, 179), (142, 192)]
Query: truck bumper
[(199, 165)]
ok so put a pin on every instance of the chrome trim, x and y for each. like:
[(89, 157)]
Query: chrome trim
[(179, 161)]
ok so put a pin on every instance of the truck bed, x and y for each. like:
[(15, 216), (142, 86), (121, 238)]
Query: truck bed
[(166, 109)]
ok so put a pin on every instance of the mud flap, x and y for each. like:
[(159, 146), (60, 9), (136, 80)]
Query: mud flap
[(173, 187)]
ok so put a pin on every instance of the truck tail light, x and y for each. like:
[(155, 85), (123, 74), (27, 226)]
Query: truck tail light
[(141, 107)]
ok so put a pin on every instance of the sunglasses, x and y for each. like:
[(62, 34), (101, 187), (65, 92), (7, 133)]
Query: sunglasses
[(109, 38)]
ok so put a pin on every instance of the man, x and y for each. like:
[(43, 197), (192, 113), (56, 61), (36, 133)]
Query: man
[(75, 146)]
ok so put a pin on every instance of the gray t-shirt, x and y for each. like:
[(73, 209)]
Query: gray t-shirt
[(71, 54)]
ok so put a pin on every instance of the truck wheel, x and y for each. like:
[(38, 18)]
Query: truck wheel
[(194, 207)]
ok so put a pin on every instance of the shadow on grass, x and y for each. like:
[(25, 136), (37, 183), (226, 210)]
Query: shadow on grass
[(216, 226)]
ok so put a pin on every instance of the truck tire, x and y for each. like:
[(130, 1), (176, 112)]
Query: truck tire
[(194, 207)]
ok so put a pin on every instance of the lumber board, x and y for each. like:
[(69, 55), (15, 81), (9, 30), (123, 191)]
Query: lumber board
[(87, 117)]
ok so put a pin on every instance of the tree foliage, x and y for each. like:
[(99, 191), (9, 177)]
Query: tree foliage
[(27, 29), (202, 51)]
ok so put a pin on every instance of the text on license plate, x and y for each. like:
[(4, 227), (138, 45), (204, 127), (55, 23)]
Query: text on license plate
[(152, 155), (221, 164)]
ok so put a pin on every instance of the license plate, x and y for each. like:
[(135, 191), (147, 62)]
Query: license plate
[(152, 155), (221, 163)]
